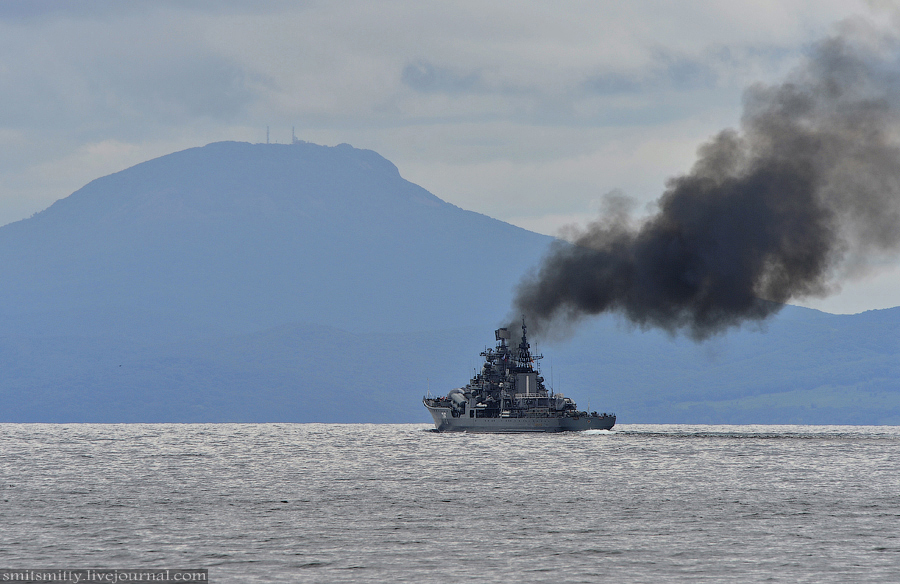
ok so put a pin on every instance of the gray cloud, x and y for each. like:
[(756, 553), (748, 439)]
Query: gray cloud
[(425, 77), (107, 89), (37, 10), (181, 88), (666, 71)]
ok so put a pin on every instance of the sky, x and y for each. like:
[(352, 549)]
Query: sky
[(527, 111)]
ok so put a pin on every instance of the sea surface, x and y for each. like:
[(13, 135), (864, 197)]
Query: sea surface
[(399, 503)]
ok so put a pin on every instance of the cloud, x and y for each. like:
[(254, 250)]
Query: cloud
[(102, 82), (666, 71), (42, 10), (425, 77)]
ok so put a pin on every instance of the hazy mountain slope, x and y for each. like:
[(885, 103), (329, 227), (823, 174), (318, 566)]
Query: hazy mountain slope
[(807, 367), (236, 237), (803, 366), (293, 373)]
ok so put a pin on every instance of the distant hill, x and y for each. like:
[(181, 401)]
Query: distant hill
[(254, 282), (237, 237), (801, 367)]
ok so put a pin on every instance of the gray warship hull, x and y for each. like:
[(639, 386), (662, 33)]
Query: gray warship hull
[(508, 395), (445, 422)]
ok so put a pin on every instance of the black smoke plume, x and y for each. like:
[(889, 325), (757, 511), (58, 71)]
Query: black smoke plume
[(805, 194)]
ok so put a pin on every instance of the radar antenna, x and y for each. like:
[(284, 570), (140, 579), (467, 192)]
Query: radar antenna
[(524, 356)]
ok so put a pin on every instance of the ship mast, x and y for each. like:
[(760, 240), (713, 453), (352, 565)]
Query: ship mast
[(524, 356)]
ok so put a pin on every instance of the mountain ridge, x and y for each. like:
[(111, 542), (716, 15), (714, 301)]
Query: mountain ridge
[(256, 227)]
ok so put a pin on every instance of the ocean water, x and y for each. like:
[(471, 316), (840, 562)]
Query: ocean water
[(398, 503)]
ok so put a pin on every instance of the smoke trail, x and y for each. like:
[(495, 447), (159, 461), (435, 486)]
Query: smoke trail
[(806, 194)]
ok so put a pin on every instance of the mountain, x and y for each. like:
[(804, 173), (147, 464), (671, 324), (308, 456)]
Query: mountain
[(237, 237), (304, 283)]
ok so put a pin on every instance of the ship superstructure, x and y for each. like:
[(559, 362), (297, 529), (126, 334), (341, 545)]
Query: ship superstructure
[(508, 395)]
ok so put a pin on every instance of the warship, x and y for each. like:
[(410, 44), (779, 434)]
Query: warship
[(509, 395)]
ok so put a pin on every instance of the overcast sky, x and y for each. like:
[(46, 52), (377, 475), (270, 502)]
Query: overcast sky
[(526, 111)]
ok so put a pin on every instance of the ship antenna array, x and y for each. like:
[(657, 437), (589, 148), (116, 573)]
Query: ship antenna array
[(551, 376)]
